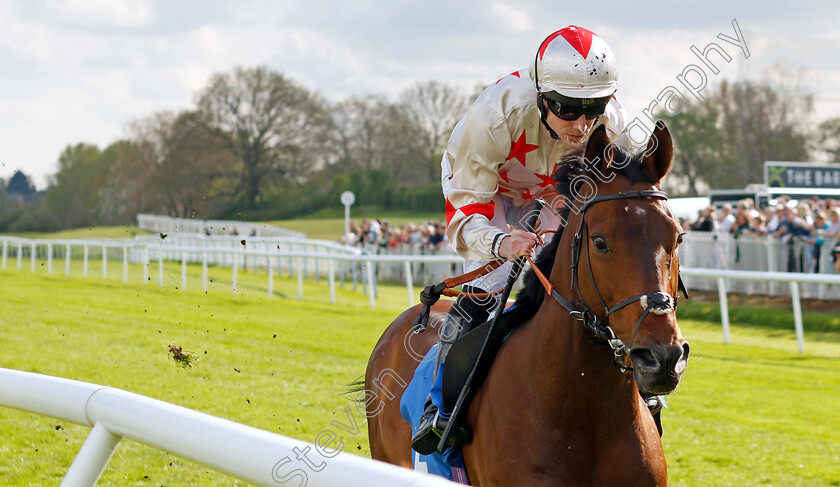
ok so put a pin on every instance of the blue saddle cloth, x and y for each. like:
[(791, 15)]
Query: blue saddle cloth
[(450, 463)]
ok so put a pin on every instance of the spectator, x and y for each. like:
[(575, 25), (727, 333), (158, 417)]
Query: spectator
[(834, 223), (437, 238), (726, 219), (705, 222), (374, 232), (817, 240), (415, 235), (742, 221)]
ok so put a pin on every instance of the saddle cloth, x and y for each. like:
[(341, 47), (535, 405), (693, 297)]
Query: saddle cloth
[(450, 463)]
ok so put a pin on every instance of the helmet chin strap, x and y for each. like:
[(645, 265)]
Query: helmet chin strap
[(543, 114)]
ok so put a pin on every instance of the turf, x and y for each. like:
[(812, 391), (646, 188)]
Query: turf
[(91, 232), (754, 412)]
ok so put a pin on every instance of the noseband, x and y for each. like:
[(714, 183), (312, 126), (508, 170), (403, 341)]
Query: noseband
[(656, 302)]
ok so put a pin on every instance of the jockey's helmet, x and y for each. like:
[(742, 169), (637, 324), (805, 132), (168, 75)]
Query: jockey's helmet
[(574, 63)]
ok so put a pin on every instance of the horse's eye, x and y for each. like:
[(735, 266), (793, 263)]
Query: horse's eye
[(600, 243), (680, 238)]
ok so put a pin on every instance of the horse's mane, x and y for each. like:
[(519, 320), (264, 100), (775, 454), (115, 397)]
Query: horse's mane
[(570, 167)]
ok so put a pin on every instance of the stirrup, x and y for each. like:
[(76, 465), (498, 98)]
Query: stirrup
[(426, 440)]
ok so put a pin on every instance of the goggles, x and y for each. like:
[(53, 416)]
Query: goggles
[(570, 109)]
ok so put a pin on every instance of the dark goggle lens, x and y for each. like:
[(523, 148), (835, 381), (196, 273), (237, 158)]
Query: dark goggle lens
[(571, 113)]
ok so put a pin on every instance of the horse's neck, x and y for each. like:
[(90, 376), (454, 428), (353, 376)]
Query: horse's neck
[(573, 368), (575, 364)]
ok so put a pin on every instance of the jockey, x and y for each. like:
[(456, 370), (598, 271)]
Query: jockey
[(500, 158)]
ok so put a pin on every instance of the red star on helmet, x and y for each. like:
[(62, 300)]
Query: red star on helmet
[(520, 149)]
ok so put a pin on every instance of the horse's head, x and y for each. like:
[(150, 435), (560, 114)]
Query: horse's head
[(625, 267)]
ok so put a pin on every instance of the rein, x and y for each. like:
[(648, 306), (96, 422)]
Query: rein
[(656, 302)]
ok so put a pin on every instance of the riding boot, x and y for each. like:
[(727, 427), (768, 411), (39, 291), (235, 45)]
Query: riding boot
[(428, 434), (425, 441), (464, 315)]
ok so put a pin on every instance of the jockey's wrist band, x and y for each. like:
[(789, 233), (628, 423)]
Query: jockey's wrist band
[(497, 243)]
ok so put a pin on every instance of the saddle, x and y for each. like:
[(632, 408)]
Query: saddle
[(464, 354)]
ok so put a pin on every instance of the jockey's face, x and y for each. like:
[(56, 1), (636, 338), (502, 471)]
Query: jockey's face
[(571, 132)]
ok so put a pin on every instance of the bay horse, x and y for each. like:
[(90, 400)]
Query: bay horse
[(554, 408)]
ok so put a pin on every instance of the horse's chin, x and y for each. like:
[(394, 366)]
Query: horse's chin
[(658, 386)]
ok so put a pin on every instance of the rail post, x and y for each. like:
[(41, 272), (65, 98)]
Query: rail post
[(125, 264), (92, 459), (270, 270), (797, 316), (409, 283), (184, 270), (299, 278), (372, 290), (204, 271), (331, 272), (724, 308)]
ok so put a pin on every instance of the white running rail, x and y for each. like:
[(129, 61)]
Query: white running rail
[(794, 279), (238, 450), (168, 224)]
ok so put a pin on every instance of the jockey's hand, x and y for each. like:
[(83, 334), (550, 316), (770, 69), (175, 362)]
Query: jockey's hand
[(518, 244)]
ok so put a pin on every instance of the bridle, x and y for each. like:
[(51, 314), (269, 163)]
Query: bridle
[(656, 302)]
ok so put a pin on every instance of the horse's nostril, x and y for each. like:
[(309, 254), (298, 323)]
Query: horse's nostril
[(682, 360), (643, 358)]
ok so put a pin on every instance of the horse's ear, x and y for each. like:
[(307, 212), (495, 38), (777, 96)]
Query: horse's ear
[(596, 147), (659, 153)]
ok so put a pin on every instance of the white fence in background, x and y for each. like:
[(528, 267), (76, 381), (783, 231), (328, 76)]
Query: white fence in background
[(171, 225), (299, 257), (709, 250), (248, 453), (793, 280)]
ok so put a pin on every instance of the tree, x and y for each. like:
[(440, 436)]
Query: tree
[(828, 138), (359, 126), (701, 152), (20, 186), (72, 199), (764, 121), (269, 123), (375, 135), (171, 164), (724, 141), (435, 107)]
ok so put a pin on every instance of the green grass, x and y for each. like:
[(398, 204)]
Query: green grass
[(91, 232), (754, 412)]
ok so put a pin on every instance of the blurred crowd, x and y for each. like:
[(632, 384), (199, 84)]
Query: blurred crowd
[(430, 235), (815, 222)]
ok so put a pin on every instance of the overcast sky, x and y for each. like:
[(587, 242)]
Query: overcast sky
[(79, 70)]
